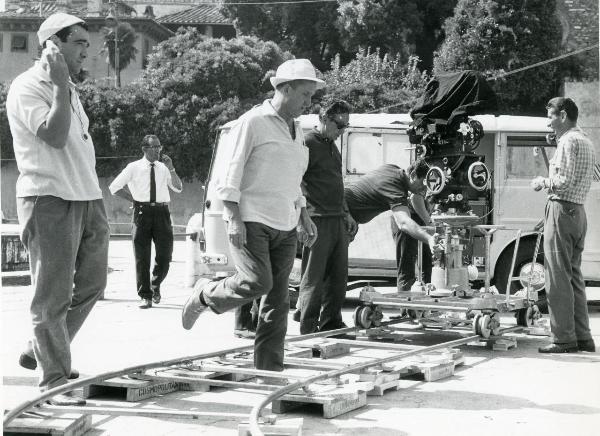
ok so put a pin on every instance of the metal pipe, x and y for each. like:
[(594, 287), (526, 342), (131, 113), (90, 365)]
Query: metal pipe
[(512, 265)]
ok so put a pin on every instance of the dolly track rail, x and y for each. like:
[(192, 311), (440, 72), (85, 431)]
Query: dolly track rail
[(44, 396), (257, 410)]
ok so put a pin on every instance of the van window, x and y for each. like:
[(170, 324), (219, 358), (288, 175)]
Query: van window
[(369, 150), (524, 156)]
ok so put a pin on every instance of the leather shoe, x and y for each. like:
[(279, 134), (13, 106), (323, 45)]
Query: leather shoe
[(244, 333), (156, 297), (296, 315), (586, 345), (193, 307), (66, 399), (558, 348), (28, 362), (147, 304)]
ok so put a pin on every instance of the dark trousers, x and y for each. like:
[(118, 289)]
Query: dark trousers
[(407, 250), (263, 269), (67, 243), (246, 316), (151, 223), (324, 277), (565, 228)]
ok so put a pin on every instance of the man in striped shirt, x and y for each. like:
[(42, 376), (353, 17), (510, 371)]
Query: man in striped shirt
[(568, 182)]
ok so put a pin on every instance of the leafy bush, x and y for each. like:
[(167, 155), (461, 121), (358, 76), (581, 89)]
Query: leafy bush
[(375, 83)]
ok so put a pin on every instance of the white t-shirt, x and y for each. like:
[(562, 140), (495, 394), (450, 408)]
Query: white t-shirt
[(68, 172)]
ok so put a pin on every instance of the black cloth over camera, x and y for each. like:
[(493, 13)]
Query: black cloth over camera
[(452, 95)]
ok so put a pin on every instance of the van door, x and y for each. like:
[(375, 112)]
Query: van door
[(373, 252)]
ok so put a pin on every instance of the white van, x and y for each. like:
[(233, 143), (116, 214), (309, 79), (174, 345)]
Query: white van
[(513, 148)]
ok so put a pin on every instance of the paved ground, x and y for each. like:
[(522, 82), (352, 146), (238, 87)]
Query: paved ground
[(518, 392)]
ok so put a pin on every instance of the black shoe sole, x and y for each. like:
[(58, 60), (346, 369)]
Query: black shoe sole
[(29, 362)]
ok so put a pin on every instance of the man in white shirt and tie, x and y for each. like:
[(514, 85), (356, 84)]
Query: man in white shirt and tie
[(148, 181)]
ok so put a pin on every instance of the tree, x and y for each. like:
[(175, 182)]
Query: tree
[(399, 28), (125, 37), (496, 37), (305, 30), (195, 84), (387, 24)]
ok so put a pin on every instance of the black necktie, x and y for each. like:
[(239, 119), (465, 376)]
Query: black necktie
[(152, 185)]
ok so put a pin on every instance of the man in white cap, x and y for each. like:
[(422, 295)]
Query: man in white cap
[(263, 204), (59, 201)]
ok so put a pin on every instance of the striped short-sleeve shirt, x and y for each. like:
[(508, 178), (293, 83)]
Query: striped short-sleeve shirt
[(572, 167)]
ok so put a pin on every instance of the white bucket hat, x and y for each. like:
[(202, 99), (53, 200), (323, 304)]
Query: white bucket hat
[(55, 23), (296, 69)]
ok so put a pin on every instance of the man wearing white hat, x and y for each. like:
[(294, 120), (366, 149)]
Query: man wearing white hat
[(263, 204), (59, 201)]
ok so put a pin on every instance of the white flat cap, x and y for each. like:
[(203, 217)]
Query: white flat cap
[(296, 69), (55, 23)]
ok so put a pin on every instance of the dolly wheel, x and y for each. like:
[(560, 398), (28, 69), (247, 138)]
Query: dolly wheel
[(495, 324), (475, 325), (485, 326), (362, 317), (377, 316), (526, 317)]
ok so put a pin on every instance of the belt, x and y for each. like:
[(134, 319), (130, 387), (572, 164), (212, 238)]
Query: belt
[(567, 202), (147, 203)]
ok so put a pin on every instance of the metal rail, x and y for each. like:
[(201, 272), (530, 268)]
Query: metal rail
[(46, 395), (257, 410)]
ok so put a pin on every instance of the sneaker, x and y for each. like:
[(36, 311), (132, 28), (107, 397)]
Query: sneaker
[(193, 307), (244, 333), (66, 399), (586, 345), (147, 304), (156, 297), (28, 362)]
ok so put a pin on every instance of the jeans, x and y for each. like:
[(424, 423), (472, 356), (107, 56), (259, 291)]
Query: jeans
[(263, 269)]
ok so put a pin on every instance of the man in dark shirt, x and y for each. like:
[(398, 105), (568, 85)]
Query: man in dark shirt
[(325, 264), (388, 188)]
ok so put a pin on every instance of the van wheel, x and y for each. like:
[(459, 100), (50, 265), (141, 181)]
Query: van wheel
[(522, 268)]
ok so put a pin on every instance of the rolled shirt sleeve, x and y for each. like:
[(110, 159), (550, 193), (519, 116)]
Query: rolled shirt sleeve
[(240, 140), (170, 182), (563, 166)]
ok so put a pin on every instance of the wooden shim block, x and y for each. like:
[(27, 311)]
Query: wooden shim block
[(331, 406), (433, 372), (65, 425), (287, 427), (131, 389), (380, 388), (504, 344), (325, 349), (329, 350)]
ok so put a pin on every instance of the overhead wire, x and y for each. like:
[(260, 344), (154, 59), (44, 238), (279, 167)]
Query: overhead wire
[(265, 3), (510, 73)]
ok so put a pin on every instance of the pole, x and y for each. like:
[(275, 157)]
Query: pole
[(117, 72)]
